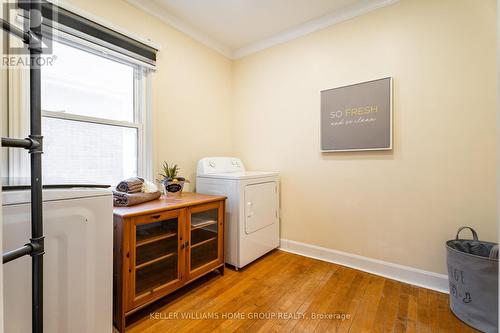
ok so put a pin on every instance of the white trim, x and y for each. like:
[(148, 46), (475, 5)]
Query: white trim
[(142, 100), (18, 111), (19, 124), (280, 38), (86, 119), (64, 4), (312, 26), (163, 15), (147, 116), (406, 274)]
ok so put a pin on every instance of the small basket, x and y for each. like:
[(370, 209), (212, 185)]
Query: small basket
[(473, 280)]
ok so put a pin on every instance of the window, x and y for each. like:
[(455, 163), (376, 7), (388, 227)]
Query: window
[(92, 116), (95, 102), (82, 83)]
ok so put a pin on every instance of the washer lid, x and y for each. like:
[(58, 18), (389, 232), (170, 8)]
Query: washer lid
[(17, 197), (240, 175)]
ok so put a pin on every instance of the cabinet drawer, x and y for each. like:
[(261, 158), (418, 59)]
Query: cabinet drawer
[(155, 217)]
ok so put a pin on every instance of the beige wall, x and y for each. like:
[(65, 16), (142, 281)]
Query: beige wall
[(397, 206), (191, 89)]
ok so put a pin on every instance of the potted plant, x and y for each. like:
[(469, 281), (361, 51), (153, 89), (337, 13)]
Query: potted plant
[(172, 183)]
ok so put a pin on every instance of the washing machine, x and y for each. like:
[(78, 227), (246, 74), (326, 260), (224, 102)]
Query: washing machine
[(252, 207), (78, 260)]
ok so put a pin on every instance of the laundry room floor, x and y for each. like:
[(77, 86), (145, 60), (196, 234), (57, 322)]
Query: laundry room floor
[(284, 292)]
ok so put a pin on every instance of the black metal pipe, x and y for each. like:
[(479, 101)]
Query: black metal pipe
[(18, 143), (37, 238), (17, 253), (15, 31), (35, 145)]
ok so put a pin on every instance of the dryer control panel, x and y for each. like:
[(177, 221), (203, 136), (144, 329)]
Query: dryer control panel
[(210, 165)]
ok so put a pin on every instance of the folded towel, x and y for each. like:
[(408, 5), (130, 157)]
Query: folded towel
[(130, 185), (134, 189), (149, 187), (123, 199)]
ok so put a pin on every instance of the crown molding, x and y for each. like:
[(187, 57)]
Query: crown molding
[(163, 15), (280, 38), (312, 26)]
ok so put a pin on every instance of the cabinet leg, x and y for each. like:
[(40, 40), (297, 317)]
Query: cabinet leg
[(221, 270), (119, 325)]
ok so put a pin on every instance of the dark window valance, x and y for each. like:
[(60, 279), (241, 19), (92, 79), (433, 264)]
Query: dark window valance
[(95, 32)]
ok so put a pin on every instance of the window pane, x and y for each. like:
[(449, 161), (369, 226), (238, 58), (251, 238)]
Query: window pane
[(83, 83), (80, 152)]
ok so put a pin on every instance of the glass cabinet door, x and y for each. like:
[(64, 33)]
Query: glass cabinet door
[(206, 236), (156, 259)]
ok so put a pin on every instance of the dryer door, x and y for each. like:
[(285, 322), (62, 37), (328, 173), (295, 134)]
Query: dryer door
[(261, 204)]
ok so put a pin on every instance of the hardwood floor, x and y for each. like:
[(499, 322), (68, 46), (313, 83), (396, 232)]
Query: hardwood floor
[(289, 292)]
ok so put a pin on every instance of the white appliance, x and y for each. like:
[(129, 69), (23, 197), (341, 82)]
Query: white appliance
[(252, 206), (78, 261)]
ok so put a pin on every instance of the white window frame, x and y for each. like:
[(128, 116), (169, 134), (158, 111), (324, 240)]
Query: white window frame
[(19, 165)]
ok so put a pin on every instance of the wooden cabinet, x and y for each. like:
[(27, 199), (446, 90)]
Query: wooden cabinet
[(156, 258), (161, 245), (206, 244)]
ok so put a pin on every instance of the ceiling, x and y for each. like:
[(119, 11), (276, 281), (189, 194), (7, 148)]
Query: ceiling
[(240, 27)]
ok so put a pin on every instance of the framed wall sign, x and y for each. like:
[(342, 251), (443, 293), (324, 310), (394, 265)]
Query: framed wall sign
[(357, 117)]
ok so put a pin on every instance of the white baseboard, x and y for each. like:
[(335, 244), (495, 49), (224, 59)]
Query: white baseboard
[(406, 274)]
